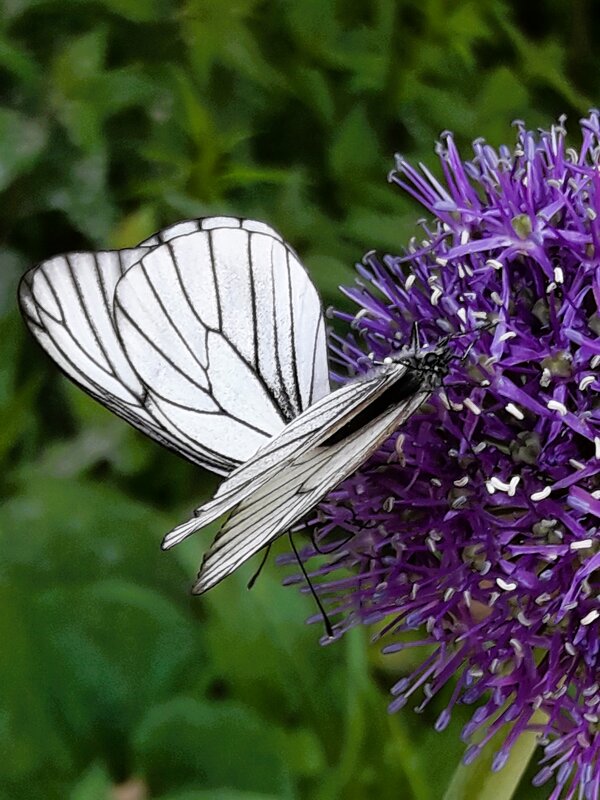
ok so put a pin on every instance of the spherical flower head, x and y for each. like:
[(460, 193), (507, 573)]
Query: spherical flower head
[(477, 524)]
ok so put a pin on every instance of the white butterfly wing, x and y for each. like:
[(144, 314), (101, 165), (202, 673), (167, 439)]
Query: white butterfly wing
[(67, 303), (292, 492), (305, 432), (209, 322), (162, 383), (183, 227)]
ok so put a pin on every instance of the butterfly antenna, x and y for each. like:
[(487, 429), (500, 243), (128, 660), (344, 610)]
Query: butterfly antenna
[(465, 355), (326, 622), (252, 580)]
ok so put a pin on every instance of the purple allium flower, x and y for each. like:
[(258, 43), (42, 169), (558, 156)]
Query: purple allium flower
[(477, 524)]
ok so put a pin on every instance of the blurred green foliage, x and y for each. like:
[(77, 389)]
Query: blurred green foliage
[(116, 117)]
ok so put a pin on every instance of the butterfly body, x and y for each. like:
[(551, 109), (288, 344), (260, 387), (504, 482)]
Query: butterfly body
[(210, 338), (423, 373)]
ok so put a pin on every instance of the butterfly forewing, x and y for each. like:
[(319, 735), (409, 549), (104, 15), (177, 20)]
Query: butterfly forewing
[(292, 492), (305, 432)]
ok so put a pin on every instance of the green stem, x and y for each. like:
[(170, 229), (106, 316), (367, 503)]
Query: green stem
[(478, 781), (334, 785)]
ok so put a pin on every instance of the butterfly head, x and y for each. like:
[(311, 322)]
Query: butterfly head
[(428, 367), (431, 365)]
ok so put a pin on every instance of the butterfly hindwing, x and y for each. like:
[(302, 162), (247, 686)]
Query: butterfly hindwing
[(67, 303), (182, 338)]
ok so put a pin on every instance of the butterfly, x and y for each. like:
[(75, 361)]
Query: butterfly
[(210, 338)]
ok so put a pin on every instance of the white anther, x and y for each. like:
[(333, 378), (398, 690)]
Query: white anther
[(516, 412), (473, 408), (583, 544), (591, 617), (541, 495), (556, 405), (586, 381), (388, 504), (512, 485), (435, 296)]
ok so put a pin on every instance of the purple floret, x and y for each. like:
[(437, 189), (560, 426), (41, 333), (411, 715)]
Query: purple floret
[(477, 524)]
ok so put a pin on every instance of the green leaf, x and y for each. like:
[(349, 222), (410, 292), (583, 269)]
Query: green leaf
[(18, 62), (304, 753), (273, 631), (497, 87), (78, 530), (29, 738), (85, 94), (544, 62), (313, 89), (16, 397), (315, 26), (140, 10), (330, 273), (124, 666), (22, 141), (95, 784), (85, 198), (355, 148), (214, 745), (135, 227), (16, 416), (10, 347), (218, 794), (14, 265), (218, 32)]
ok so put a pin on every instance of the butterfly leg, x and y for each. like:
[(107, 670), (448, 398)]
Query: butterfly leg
[(253, 579), (317, 599)]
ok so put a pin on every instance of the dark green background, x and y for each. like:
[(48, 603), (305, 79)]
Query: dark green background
[(117, 117)]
